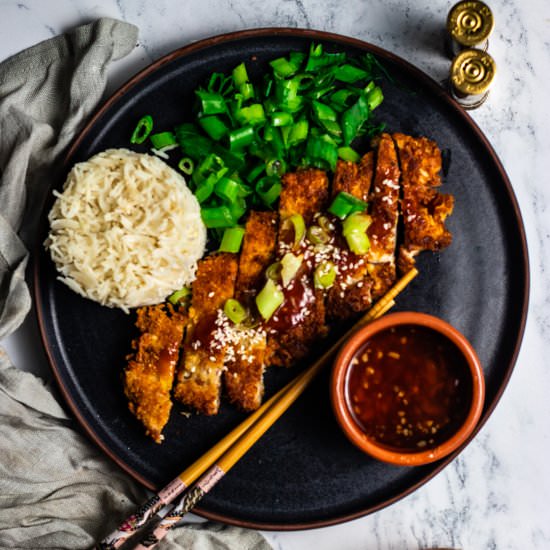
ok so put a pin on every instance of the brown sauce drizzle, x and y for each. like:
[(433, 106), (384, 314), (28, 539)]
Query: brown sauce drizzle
[(168, 358), (299, 298), (204, 331), (409, 387)]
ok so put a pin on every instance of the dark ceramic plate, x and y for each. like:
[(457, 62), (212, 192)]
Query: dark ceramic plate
[(303, 472)]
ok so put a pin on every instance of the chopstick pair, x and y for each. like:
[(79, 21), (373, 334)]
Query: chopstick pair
[(216, 462)]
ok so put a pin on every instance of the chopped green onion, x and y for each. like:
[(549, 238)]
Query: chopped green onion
[(237, 209), (321, 153), (354, 118), (349, 74), (344, 204), (340, 100), (317, 235), (299, 132), (205, 189), (290, 265), (235, 311), (162, 140), (273, 272), (192, 143), (179, 296), (227, 189), (240, 75), (186, 165), (375, 97), (212, 165), (254, 114), (284, 68), (232, 239), (217, 216), (240, 78), (358, 242), (317, 59), (281, 118), (306, 111), (142, 130), (211, 103), (354, 229), (326, 224), (324, 275), (348, 154), (255, 172), (269, 299), (213, 126), (299, 228), (241, 138), (322, 111), (358, 221), (287, 94), (269, 188), (275, 167)]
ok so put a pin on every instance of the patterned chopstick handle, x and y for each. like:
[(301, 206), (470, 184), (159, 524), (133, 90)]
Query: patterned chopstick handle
[(185, 504), (131, 525)]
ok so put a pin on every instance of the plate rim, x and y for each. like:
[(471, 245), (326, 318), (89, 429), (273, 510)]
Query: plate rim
[(437, 90)]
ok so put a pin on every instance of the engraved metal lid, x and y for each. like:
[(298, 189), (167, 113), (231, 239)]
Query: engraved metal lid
[(470, 22), (472, 72)]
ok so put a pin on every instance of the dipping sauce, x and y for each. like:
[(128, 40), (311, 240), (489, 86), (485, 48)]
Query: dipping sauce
[(408, 387)]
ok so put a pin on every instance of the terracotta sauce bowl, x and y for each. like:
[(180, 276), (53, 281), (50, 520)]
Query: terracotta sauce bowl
[(408, 389)]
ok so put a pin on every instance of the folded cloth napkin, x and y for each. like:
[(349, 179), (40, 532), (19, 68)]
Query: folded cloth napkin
[(57, 490)]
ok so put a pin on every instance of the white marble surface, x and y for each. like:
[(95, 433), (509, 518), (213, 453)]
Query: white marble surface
[(495, 495)]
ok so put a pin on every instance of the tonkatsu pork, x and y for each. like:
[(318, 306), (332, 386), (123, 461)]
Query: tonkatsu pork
[(149, 375), (424, 208), (198, 380), (351, 292), (245, 368), (384, 210), (300, 320)]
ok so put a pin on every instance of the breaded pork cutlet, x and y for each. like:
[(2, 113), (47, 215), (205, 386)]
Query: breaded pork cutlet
[(304, 192), (424, 208), (149, 375), (198, 379), (300, 320), (351, 291), (384, 210), (245, 368)]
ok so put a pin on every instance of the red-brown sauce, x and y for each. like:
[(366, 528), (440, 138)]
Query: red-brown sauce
[(299, 298), (409, 388), (204, 331), (168, 358)]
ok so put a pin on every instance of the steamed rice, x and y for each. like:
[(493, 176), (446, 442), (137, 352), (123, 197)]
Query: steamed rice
[(126, 231)]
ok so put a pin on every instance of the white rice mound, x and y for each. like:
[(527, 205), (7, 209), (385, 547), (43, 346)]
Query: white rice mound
[(126, 231)]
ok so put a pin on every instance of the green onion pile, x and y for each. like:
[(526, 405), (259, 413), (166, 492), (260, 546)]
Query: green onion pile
[(245, 135)]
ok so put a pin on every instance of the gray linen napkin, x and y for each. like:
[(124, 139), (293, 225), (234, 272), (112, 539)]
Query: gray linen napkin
[(57, 490)]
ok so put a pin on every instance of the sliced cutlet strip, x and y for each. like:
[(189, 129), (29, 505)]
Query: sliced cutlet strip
[(304, 192), (424, 208), (384, 210), (245, 368), (351, 291), (198, 380), (257, 252), (149, 375), (300, 320)]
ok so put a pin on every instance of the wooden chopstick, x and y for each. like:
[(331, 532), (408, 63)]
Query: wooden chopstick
[(131, 525), (256, 425)]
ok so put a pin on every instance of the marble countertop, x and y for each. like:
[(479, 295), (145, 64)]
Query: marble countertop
[(494, 495)]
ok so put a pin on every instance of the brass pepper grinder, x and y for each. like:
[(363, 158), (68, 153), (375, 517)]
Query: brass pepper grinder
[(472, 72), (469, 25)]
